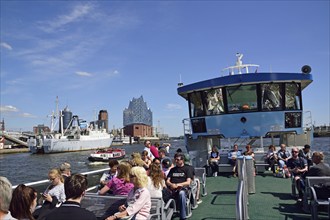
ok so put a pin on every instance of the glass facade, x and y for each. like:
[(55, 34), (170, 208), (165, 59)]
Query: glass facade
[(137, 113)]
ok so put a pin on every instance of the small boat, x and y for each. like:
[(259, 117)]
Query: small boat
[(104, 155)]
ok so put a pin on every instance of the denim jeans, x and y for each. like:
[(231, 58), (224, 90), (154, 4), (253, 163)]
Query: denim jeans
[(183, 206)]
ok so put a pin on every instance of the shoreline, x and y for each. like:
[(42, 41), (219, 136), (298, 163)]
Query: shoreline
[(14, 150)]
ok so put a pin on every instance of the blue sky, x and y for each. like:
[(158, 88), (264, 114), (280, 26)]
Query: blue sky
[(100, 54)]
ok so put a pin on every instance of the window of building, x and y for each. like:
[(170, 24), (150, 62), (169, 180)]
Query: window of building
[(242, 98), (292, 96), (271, 98), (214, 102)]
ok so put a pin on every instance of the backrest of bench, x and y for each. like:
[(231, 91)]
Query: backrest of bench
[(157, 207), (200, 172), (315, 180), (102, 206)]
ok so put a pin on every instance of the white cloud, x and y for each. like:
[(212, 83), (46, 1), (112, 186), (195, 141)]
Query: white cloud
[(6, 46), (76, 14), (173, 107), (79, 73), (27, 115), (8, 108)]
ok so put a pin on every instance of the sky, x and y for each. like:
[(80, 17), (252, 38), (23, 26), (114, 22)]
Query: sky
[(98, 55)]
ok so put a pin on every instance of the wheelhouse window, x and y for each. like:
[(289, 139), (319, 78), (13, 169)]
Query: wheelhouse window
[(271, 98), (196, 104), (214, 102), (292, 96), (242, 98)]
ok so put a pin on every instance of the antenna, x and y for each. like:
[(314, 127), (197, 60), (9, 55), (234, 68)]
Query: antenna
[(180, 82)]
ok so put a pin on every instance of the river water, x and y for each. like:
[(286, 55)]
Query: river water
[(26, 167)]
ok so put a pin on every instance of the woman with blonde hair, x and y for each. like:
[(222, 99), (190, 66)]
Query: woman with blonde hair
[(136, 160), (138, 199), (120, 184), (56, 188), (23, 202)]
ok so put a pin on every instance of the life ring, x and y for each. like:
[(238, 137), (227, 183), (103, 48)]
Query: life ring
[(245, 107)]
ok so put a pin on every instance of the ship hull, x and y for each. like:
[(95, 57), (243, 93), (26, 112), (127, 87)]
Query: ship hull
[(69, 145)]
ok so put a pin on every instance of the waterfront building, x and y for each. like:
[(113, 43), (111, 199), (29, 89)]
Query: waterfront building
[(137, 119), (41, 129), (103, 119)]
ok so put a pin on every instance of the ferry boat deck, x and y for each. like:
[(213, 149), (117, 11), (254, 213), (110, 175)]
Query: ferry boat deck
[(272, 200)]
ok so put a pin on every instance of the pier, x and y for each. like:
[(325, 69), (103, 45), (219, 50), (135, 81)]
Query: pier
[(322, 131), (18, 139)]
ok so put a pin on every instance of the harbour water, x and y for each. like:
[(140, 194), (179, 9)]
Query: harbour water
[(26, 167)]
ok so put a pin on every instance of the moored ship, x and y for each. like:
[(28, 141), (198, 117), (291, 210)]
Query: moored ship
[(73, 135)]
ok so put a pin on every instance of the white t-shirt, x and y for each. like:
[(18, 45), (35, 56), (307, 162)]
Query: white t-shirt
[(154, 192)]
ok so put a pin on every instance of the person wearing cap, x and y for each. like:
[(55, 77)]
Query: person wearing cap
[(65, 169), (166, 165), (307, 154)]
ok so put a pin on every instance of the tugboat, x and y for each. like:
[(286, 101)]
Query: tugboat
[(104, 155)]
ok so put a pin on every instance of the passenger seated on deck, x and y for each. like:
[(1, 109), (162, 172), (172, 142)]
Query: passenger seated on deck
[(178, 180), (214, 160), (283, 156), (5, 198), (138, 203), (56, 188), (136, 160), (106, 177), (307, 154), (320, 168), (249, 152), (75, 188), (65, 169), (156, 181), (23, 202), (297, 167), (119, 185), (271, 157), (146, 159), (166, 165), (232, 157)]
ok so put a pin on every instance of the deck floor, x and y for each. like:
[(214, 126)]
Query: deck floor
[(272, 200)]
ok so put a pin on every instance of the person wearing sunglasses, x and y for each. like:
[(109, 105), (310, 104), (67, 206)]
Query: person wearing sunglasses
[(178, 180), (297, 167)]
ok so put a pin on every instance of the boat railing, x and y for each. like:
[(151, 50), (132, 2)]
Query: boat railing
[(242, 193), (89, 175), (186, 126), (308, 121)]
